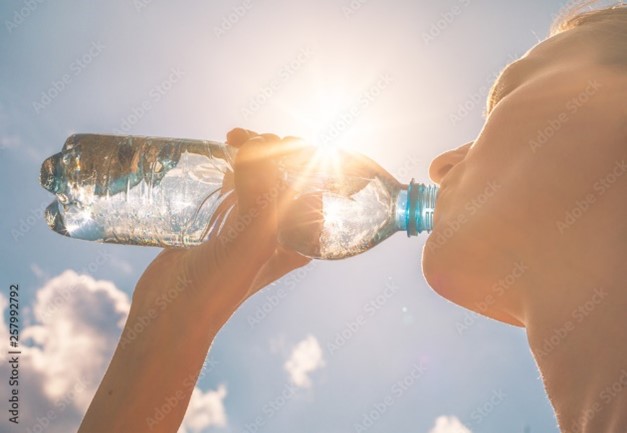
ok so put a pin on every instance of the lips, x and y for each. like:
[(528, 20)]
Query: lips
[(438, 205)]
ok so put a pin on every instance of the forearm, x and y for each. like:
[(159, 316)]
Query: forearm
[(160, 354)]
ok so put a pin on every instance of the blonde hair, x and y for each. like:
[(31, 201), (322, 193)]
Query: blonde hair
[(608, 28)]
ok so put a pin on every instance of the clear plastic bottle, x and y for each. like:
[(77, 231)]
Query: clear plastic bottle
[(176, 193)]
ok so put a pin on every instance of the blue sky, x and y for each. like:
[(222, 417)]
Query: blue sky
[(197, 69)]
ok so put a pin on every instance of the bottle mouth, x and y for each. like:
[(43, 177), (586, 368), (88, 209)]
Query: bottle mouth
[(421, 205), (54, 219), (50, 173)]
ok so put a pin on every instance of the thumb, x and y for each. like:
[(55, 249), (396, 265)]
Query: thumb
[(246, 233)]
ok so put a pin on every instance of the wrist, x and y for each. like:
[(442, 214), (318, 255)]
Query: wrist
[(216, 290), (174, 288)]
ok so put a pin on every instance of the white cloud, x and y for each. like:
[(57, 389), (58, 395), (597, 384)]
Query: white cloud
[(77, 324), (449, 424), (79, 321), (205, 409), (305, 358)]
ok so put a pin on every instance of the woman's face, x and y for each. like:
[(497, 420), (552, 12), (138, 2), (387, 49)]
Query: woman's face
[(514, 200)]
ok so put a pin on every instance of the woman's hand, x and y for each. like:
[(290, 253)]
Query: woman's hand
[(244, 256), (185, 296)]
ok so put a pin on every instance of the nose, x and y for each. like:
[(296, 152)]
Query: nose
[(447, 160)]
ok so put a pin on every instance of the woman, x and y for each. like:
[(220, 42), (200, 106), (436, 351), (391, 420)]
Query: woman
[(530, 229)]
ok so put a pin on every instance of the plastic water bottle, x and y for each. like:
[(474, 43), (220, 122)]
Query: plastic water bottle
[(177, 193)]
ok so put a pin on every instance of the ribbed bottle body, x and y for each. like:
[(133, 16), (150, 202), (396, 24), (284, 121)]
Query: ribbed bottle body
[(177, 193), (136, 190)]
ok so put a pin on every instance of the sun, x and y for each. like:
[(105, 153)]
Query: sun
[(322, 111)]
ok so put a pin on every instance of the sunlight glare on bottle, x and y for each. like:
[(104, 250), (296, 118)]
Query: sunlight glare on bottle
[(167, 192)]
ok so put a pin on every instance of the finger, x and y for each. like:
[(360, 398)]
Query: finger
[(270, 137), (250, 228), (238, 136), (256, 174)]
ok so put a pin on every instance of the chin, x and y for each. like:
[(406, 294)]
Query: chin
[(437, 267), (459, 275), (452, 268)]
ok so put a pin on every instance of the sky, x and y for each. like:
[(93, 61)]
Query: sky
[(399, 81)]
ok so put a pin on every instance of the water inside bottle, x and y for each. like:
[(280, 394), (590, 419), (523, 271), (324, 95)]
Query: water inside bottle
[(135, 190), (353, 210)]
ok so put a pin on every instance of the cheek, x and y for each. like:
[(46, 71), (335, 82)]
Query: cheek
[(459, 253), (463, 205)]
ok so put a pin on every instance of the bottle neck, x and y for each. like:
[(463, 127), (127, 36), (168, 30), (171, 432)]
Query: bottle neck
[(415, 204)]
